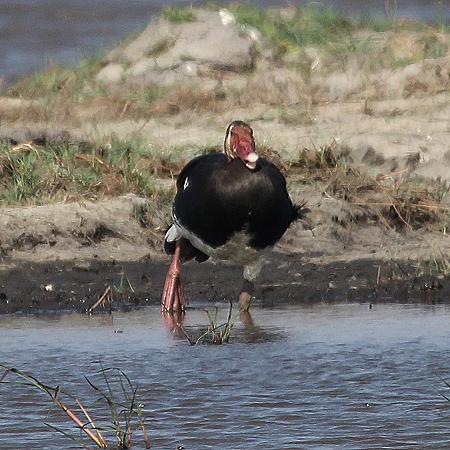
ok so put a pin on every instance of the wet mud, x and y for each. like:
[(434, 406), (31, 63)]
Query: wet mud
[(288, 279)]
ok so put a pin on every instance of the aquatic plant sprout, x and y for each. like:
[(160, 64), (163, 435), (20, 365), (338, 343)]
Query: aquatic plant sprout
[(117, 394)]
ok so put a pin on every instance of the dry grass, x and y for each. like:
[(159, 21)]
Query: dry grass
[(67, 106), (398, 201), (438, 265)]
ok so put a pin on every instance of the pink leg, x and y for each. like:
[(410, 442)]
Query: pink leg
[(245, 299), (246, 318), (173, 294), (179, 304)]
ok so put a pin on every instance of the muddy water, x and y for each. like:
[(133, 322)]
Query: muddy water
[(341, 376), (32, 33)]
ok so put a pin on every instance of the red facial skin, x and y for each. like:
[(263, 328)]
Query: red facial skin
[(242, 144), (242, 140)]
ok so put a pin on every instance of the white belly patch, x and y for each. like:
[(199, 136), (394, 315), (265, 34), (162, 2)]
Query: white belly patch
[(237, 249)]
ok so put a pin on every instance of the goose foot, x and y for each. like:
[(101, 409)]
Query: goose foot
[(173, 321), (246, 318)]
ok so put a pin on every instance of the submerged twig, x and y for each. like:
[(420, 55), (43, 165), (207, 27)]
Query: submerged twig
[(104, 298)]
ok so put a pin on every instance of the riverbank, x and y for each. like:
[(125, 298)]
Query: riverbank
[(64, 256), (355, 113)]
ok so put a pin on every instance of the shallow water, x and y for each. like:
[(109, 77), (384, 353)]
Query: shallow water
[(35, 32), (326, 376)]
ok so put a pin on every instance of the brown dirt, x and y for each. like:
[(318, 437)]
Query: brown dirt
[(63, 256)]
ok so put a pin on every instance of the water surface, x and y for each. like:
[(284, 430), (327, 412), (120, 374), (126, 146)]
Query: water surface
[(326, 376)]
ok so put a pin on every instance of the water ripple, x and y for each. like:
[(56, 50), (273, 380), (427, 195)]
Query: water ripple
[(322, 377)]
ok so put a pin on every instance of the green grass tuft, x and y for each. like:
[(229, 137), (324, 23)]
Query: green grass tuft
[(55, 79), (33, 174), (177, 14), (307, 26), (215, 334), (375, 23), (311, 25)]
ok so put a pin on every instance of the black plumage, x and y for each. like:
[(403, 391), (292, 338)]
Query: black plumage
[(217, 198)]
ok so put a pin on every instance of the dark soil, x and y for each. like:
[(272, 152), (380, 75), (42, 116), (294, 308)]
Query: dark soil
[(64, 256), (33, 287)]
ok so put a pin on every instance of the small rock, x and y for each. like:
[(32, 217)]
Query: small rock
[(82, 266), (111, 74), (158, 35), (227, 17), (213, 42), (141, 67), (190, 69)]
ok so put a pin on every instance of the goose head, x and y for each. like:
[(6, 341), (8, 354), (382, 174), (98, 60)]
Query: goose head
[(239, 143)]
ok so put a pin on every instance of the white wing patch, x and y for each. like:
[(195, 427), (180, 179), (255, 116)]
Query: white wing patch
[(172, 234), (186, 183)]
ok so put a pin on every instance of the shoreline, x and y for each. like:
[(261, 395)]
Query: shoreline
[(61, 266), (75, 287), (354, 113)]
